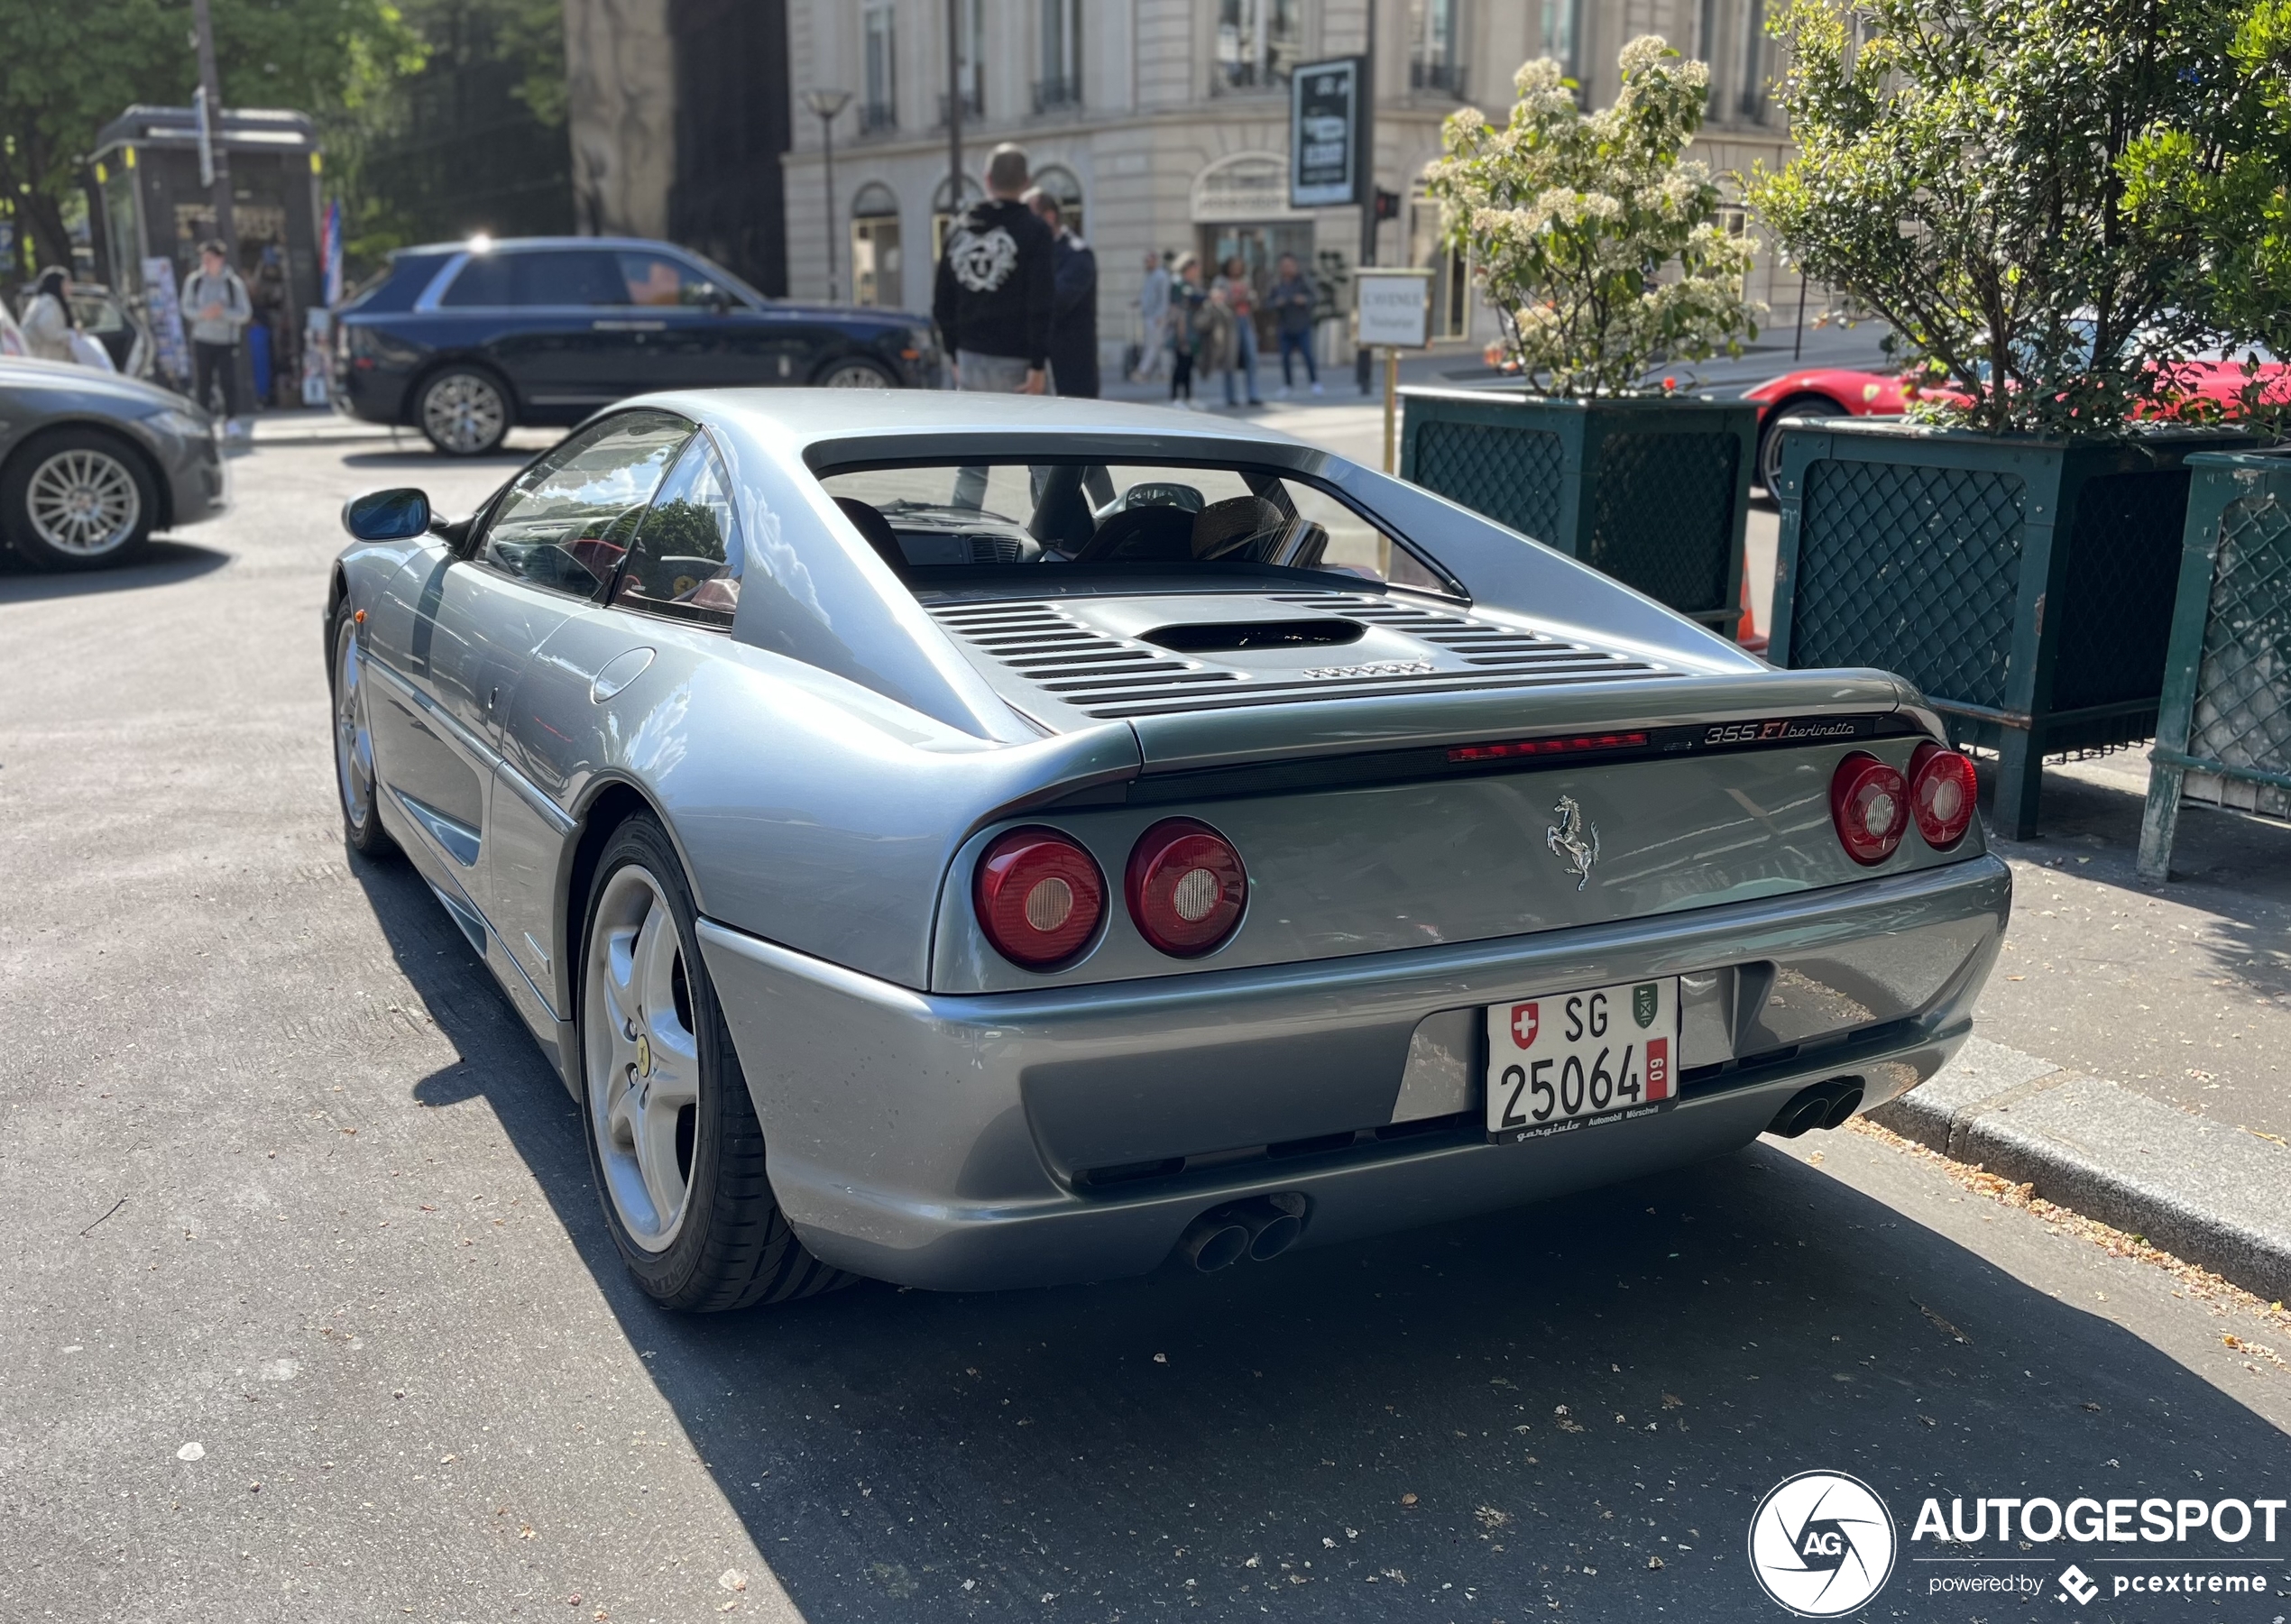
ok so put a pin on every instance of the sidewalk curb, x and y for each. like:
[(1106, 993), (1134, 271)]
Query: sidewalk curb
[(316, 434), (2200, 1191)]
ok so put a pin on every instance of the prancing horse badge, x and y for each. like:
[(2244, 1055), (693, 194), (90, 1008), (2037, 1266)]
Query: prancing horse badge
[(1567, 837)]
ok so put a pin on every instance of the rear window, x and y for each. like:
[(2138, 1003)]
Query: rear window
[(396, 285), (546, 277), (1072, 514)]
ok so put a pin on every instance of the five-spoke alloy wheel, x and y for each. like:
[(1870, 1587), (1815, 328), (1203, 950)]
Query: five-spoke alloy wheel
[(672, 1133), (353, 746), (643, 1061)]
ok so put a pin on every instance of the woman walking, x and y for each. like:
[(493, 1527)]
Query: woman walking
[(1185, 301), (1240, 356)]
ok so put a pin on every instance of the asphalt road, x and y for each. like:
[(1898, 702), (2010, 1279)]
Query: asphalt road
[(306, 1310)]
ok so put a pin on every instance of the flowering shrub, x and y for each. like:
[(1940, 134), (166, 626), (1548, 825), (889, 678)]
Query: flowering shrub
[(1600, 251), (2060, 205)]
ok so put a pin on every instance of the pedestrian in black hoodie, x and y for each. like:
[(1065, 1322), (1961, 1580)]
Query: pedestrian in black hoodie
[(996, 287), (1073, 327)]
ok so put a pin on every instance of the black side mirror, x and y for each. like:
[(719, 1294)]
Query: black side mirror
[(386, 515)]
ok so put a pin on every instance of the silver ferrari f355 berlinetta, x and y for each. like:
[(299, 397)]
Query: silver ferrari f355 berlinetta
[(975, 840)]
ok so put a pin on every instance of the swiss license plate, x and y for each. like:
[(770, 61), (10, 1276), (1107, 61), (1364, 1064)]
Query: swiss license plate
[(1578, 1059)]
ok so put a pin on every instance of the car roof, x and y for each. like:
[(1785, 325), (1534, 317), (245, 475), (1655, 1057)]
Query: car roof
[(806, 417), (497, 244)]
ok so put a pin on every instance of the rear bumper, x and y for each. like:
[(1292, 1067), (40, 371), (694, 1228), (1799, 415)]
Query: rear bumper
[(372, 393), (935, 1140)]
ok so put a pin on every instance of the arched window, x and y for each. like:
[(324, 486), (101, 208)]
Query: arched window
[(875, 247), (1059, 183)]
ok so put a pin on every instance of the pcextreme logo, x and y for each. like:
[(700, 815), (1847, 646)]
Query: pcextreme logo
[(1821, 1544)]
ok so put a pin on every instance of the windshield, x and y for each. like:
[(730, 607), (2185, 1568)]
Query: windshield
[(1074, 514)]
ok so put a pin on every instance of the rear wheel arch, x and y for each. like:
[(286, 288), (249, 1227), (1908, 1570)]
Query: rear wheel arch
[(1827, 406), (607, 807)]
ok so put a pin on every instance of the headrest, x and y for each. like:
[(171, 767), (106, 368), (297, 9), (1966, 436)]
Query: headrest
[(870, 522)]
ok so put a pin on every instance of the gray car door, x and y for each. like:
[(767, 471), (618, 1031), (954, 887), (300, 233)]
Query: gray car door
[(546, 549), (679, 580)]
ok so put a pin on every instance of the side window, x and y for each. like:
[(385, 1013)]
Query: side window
[(482, 283), (565, 275), (656, 278), (687, 559), (569, 518)]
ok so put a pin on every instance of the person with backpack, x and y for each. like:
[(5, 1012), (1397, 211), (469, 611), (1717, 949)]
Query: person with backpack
[(219, 309)]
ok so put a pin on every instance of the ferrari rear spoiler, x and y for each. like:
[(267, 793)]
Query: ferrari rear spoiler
[(1195, 740)]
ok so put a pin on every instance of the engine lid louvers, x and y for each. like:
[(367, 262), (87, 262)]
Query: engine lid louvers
[(1075, 655)]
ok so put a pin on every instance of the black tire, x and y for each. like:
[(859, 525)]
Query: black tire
[(731, 1247), (360, 805), (1769, 443), (78, 499), (854, 372), (464, 410)]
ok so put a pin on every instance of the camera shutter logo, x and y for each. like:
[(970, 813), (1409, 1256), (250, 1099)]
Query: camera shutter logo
[(1822, 1544)]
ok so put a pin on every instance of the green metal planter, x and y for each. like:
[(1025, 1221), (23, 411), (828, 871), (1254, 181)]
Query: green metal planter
[(2223, 732), (1651, 491), (2024, 584)]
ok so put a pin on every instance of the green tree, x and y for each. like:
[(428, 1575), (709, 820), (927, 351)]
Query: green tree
[(63, 76), (1599, 248), (493, 80), (2043, 196)]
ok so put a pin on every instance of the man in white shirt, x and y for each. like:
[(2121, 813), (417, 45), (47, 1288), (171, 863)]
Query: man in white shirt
[(1153, 312), (219, 309)]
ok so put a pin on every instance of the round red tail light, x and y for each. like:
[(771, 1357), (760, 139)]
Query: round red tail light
[(1870, 805), (1186, 886), (1039, 897), (1941, 791)]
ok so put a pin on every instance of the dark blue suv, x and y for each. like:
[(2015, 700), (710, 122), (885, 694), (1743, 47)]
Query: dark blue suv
[(464, 340)]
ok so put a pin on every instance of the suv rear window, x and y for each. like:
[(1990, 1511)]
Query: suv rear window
[(538, 276)]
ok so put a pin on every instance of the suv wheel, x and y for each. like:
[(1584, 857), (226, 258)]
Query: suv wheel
[(464, 411), (854, 374)]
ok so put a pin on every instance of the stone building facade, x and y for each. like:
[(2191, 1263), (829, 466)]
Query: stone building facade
[(1164, 125)]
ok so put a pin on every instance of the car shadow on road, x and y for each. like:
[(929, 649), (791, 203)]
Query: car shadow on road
[(1574, 1405), (164, 563), (422, 457)]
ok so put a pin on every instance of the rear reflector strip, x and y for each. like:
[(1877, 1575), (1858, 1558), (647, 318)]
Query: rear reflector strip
[(1575, 744)]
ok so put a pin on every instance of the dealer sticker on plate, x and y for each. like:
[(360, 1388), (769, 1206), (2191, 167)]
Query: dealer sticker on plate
[(1577, 1060)]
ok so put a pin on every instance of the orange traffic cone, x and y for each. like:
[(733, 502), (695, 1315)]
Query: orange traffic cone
[(1746, 632)]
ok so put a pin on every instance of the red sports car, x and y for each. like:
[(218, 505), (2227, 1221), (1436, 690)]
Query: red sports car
[(1846, 392)]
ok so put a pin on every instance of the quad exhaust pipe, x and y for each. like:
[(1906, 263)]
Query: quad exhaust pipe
[(1825, 1104), (1259, 1229)]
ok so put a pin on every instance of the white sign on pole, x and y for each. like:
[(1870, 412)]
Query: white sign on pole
[(1395, 307)]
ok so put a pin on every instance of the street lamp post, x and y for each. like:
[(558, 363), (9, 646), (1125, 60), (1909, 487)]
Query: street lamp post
[(827, 103)]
